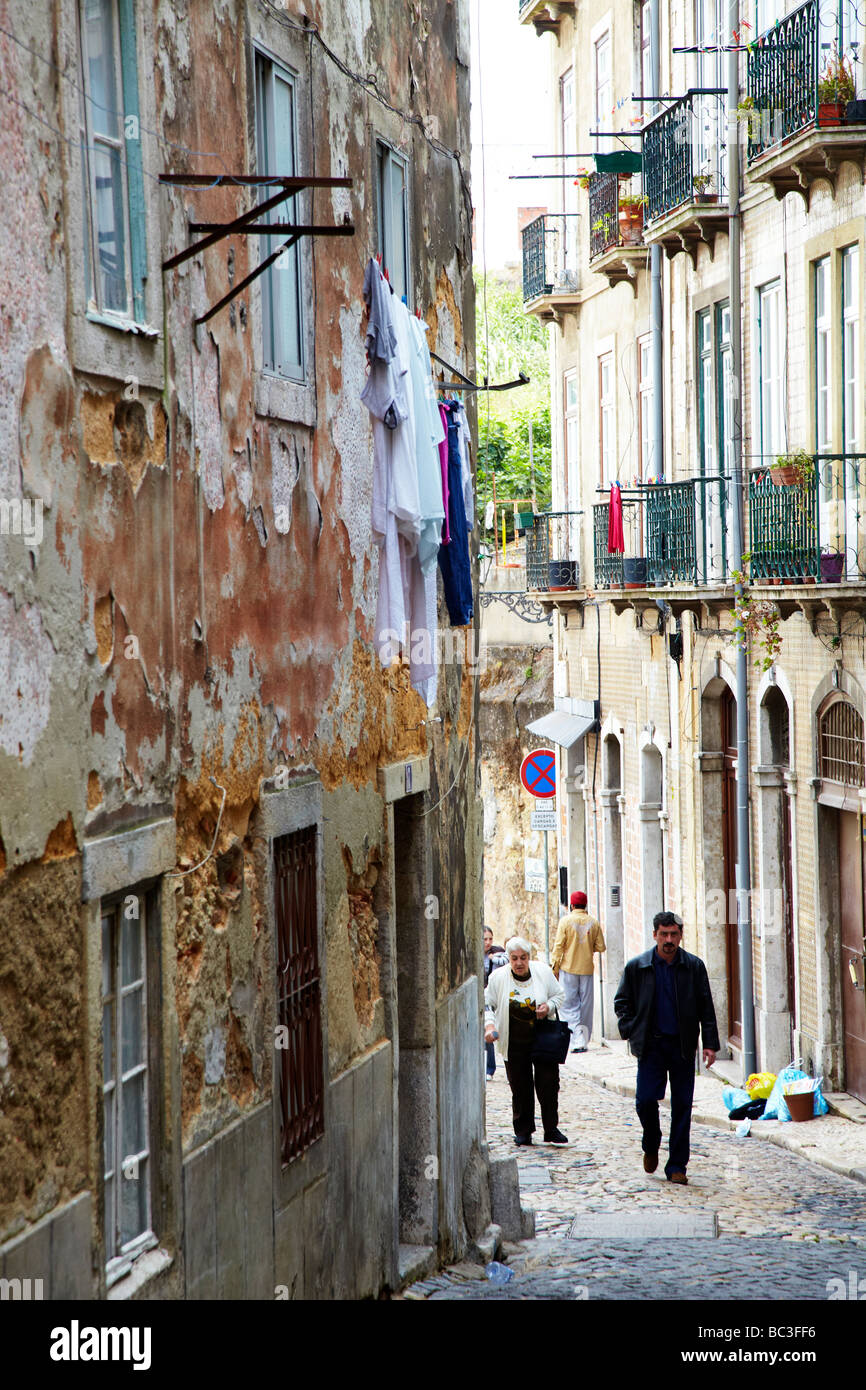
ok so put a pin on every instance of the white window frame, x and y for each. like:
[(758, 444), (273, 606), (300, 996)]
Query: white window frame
[(390, 235), (852, 403), (114, 914), (646, 393), (606, 417), (769, 369), (823, 350), (282, 341), (94, 138), (602, 91)]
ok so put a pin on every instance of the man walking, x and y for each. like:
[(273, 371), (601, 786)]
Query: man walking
[(578, 936), (662, 1001)]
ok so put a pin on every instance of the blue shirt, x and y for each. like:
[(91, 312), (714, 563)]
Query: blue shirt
[(666, 1020)]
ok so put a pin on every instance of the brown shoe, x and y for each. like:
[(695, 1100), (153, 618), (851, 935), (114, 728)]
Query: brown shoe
[(679, 1178), (650, 1162)]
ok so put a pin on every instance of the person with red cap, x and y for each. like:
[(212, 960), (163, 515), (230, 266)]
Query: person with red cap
[(578, 937)]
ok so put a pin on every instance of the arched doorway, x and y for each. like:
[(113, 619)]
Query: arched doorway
[(842, 856), (652, 839)]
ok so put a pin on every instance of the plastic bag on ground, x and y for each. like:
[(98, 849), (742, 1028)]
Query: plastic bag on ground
[(760, 1084), (776, 1109), (498, 1273), (734, 1096)]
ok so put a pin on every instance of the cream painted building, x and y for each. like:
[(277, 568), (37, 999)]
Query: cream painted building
[(647, 809)]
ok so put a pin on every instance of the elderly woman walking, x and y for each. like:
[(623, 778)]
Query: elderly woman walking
[(517, 995)]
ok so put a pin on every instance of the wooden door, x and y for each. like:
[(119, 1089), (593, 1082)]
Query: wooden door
[(729, 845), (851, 882)]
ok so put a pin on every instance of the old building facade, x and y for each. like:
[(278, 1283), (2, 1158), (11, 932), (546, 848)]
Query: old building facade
[(240, 865), (648, 814)]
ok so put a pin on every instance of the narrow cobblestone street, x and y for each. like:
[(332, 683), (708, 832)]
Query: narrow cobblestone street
[(755, 1222)]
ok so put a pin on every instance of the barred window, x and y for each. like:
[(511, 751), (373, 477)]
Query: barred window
[(299, 1005), (840, 744)]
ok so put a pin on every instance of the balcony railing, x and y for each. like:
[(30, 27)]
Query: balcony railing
[(608, 568), (549, 255), (603, 213), (782, 80), (553, 551), (686, 142), (796, 530), (680, 528)]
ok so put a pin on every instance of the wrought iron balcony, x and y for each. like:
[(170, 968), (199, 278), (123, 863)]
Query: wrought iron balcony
[(607, 568), (550, 259), (796, 106), (686, 531), (603, 213), (553, 551), (685, 173), (616, 248), (813, 530), (680, 529)]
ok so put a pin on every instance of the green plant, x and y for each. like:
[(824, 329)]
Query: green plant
[(583, 178), (633, 200), (756, 621), (836, 83), (803, 465), (603, 224), (702, 183)]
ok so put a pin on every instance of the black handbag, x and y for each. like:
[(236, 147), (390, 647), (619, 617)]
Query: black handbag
[(551, 1041)]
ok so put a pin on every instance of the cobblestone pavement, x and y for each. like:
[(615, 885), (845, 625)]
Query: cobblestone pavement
[(785, 1226)]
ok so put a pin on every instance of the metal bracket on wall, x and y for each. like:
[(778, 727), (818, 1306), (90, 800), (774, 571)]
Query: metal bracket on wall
[(518, 603), (464, 384), (247, 224)]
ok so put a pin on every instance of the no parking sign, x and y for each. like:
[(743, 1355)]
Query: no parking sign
[(538, 772)]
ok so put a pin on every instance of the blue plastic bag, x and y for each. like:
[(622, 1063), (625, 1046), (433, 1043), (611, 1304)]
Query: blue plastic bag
[(734, 1096), (776, 1109)]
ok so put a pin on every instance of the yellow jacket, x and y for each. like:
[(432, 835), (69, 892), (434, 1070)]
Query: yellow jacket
[(577, 937)]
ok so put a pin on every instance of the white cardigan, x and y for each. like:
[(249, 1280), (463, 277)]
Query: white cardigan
[(548, 990)]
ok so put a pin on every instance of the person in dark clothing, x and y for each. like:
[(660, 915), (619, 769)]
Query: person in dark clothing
[(494, 956), (662, 1002)]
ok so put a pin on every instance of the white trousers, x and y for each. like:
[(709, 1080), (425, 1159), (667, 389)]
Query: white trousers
[(577, 1007)]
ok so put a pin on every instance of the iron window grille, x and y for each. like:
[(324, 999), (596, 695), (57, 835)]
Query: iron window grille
[(840, 744), (299, 1002)]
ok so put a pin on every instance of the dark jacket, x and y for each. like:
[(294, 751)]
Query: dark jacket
[(636, 994)]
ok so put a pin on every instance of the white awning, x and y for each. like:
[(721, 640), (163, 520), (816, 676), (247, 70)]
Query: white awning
[(561, 728)]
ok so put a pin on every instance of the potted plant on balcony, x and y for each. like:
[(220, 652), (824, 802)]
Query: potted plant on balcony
[(793, 470), (631, 206), (703, 188), (603, 226), (835, 89)]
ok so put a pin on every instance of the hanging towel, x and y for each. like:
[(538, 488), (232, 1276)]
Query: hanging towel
[(615, 536)]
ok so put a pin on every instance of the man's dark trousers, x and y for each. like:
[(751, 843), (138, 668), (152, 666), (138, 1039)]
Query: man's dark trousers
[(518, 1069), (662, 1057)]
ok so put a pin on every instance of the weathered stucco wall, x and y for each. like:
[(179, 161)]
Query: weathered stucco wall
[(200, 612)]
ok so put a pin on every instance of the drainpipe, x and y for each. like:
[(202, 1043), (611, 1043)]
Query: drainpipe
[(744, 866), (656, 343)]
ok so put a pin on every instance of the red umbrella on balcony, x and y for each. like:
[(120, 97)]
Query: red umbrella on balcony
[(615, 536)]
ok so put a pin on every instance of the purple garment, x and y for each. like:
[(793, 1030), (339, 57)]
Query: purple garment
[(443, 461)]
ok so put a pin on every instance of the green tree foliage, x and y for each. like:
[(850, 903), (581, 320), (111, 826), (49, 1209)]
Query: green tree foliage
[(509, 342)]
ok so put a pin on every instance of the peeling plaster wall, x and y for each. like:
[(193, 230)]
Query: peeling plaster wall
[(202, 602)]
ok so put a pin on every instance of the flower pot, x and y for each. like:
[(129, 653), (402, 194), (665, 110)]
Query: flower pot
[(831, 568), (785, 475), (855, 113), (563, 574), (629, 232), (634, 572), (706, 197), (830, 112), (801, 1107)]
